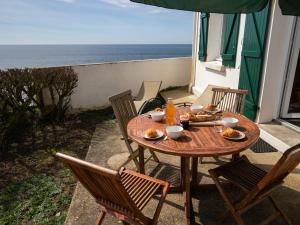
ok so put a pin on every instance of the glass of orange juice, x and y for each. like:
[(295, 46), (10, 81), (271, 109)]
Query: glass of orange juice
[(170, 112)]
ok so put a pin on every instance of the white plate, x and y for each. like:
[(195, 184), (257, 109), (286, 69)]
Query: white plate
[(159, 135), (213, 111), (242, 136)]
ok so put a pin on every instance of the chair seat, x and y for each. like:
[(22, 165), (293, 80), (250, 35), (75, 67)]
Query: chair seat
[(241, 172), (140, 188)]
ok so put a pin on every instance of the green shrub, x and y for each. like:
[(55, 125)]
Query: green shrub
[(28, 96)]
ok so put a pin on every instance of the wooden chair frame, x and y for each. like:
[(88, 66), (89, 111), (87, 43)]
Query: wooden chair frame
[(122, 194), (230, 100), (124, 110), (257, 184)]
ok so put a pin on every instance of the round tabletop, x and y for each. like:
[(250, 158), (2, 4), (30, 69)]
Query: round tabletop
[(197, 141)]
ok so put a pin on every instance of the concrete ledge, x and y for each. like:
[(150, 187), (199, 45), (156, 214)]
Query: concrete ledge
[(279, 136)]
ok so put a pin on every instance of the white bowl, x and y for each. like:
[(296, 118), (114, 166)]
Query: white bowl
[(174, 132), (230, 122), (157, 116), (196, 108)]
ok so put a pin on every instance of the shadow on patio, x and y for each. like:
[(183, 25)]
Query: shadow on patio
[(108, 150)]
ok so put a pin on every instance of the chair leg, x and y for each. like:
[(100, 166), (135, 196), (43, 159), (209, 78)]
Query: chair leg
[(286, 219), (133, 155), (235, 156), (228, 203), (225, 215), (100, 217), (154, 156), (200, 160), (238, 218)]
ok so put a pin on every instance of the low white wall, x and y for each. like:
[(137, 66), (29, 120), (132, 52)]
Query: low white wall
[(96, 82)]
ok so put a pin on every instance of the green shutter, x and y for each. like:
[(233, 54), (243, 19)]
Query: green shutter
[(231, 34), (203, 36), (256, 30)]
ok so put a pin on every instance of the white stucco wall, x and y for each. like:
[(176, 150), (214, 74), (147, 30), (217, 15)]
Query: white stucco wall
[(96, 82), (274, 67), (275, 64), (205, 76)]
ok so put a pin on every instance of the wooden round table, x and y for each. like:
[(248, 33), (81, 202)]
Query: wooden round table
[(198, 141)]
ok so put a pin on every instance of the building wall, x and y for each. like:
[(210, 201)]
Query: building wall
[(275, 64), (205, 75), (96, 82), (274, 68)]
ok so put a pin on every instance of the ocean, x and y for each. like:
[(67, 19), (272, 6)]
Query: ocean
[(21, 56)]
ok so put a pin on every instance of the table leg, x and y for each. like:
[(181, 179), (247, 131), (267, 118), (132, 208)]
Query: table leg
[(141, 159), (186, 180), (235, 156), (194, 171)]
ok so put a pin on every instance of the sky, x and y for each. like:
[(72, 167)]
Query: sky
[(91, 22)]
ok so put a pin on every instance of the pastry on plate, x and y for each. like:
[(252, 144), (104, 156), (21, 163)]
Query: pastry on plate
[(231, 133), (158, 109), (211, 107), (202, 117), (201, 113), (184, 117), (151, 133)]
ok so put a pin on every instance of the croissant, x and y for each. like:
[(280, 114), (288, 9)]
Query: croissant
[(151, 133), (229, 132)]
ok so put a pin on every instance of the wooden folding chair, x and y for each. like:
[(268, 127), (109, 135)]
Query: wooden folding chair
[(229, 100), (257, 184), (125, 110), (122, 194)]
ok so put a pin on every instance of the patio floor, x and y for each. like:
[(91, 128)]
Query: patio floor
[(108, 150)]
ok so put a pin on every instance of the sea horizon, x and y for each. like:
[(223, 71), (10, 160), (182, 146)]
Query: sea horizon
[(52, 55)]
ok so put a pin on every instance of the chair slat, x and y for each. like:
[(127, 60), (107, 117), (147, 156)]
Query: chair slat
[(231, 100)]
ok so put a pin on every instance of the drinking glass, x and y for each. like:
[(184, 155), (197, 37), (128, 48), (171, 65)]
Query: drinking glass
[(218, 127)]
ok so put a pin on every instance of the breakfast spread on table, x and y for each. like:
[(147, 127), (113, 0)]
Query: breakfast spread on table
[(199, 117)]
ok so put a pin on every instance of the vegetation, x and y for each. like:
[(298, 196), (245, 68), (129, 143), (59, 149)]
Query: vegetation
[(34, 187), (31, 96)]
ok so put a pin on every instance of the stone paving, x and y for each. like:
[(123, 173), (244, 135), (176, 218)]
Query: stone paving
[(108, 150)]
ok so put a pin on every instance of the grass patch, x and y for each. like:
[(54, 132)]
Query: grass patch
[(37, 200), (34, 187)]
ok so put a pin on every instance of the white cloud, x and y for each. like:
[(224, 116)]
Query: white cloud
[(158, 10), (120, 3)]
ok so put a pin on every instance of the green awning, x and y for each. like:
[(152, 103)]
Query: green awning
[(290, 7), (212, 6)]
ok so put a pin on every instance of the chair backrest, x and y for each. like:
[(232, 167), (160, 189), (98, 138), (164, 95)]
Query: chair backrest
[(230, 100), (207, 95), (149, 90), (103, 184), (124, 109), (285, 165)]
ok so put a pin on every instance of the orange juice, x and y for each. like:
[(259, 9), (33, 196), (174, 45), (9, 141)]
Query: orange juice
[(170, 112)]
